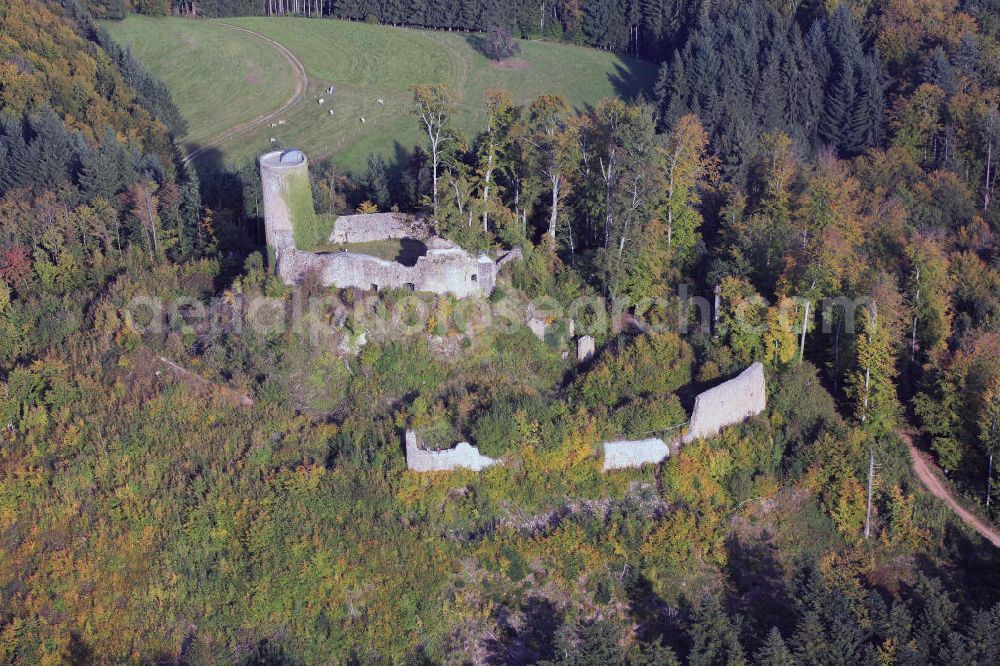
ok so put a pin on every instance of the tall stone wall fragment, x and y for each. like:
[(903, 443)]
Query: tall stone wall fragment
[(585, 348), (728, 403)]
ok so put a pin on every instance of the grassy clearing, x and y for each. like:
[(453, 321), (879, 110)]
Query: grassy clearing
[(218, 77), (405, 251), (367, 63)]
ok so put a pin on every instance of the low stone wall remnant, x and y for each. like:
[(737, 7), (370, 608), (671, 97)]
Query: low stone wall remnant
[(728, 403), (634, 453), (462, 456)]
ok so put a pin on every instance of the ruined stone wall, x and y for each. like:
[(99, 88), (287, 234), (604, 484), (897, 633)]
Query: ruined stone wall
[(463, 455), (440, 271), (362, 228), (634, 453), (728, 403)]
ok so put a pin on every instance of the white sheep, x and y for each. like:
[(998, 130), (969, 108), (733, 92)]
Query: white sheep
[(273, 125), (331, 112), (273, 140), (322, 100), (381, 102), (329, 91), (362, 120), (282, 121)]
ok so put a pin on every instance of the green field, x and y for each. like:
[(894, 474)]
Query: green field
[(218, 77), (365, 63)]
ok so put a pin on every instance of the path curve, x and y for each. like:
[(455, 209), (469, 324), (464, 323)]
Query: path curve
[(301, 83), (925, 471)]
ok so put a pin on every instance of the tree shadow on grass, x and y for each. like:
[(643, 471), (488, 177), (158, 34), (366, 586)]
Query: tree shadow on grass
[(633, 79)]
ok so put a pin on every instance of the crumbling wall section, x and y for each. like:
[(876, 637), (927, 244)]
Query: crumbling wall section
[(362, 228), (728, 403), (634, 453), (439, 271), (462, 456)]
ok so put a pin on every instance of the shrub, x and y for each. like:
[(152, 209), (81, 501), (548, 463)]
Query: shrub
[(653, 365), (499, 44), (644, 417), (495, 431)]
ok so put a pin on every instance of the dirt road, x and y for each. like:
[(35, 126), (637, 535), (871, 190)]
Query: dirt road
[(926, 472), (301, 83)]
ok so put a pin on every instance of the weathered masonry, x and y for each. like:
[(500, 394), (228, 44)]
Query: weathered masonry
[(634, 453), (728, 403), (462, 455), (443, 267)]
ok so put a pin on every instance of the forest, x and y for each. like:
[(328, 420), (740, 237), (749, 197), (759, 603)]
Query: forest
[(216, 491)]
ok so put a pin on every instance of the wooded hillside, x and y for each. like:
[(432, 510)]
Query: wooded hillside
[(217, 485)]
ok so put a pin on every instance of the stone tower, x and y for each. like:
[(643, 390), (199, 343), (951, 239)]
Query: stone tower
[(281, 172)]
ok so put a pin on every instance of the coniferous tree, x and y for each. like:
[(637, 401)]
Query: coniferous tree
[(377, 182), (774, 652), (714, 638)]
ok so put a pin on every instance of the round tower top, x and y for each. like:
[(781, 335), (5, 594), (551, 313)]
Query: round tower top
[(283, 158)]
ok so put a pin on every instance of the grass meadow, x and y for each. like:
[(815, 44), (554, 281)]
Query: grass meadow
[(220, 77)]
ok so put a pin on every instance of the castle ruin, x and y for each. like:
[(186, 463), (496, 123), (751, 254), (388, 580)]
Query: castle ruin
[(442, 266)]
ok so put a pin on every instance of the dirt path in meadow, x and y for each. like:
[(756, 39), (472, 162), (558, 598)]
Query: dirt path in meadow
[(301, 83), (926, 471)]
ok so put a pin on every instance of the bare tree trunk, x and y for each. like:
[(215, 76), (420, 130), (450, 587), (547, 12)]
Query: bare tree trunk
[(871, 473), (715, 311), (805, 325), (864, 416), (486, 188), (988, 184), (836, 358), (554, 212), (989, 481)]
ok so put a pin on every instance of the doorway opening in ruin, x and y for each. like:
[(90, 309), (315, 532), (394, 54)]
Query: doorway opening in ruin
[(374, 287), (410, 286), (475, 277)]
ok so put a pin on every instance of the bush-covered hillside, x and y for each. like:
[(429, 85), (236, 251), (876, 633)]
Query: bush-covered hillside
[(224, 481)]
